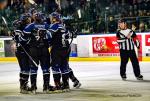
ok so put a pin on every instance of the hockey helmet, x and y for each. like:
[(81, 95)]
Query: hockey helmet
[(55, 16), (38, 17)]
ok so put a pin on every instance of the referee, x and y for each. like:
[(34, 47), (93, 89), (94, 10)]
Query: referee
[(127, 39)]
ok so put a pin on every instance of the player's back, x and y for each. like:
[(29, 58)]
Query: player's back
[(58, 41)]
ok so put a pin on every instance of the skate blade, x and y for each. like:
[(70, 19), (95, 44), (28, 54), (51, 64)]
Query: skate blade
[(124, 79), (33, 92), (66, 90), (58, 91), (78, 86), (140, 79), (24, 92), (48, 92)]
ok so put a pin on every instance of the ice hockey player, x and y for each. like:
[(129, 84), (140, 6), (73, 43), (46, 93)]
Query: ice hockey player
[(76, 83), (127, 38), (39, 45), (23, 59), (59, 52)]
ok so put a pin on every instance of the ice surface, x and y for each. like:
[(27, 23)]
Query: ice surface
[(100, 82)]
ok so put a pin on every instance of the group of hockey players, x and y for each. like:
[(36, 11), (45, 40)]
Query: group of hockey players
[(39, 42)]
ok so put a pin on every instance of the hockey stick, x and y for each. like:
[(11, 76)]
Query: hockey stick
[(6, 24), (74, 33), (27, 53)]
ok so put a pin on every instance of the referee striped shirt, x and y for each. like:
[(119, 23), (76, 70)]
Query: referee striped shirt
[(127, 43)]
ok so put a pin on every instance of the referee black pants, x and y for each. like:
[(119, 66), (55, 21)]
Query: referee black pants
[(125, 55)]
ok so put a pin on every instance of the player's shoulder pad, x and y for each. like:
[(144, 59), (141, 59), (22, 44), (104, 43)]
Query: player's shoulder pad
[(30, 25), (46, 25), (53, 27), (28, 28)]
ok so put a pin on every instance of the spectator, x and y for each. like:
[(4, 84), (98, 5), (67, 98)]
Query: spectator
[(100, 26), (3, 31), (90, 9), (112, 25), (142, 27), (130, 14), (133, 27), (86, 28), (140, 13)]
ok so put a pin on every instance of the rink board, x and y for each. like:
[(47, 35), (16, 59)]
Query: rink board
[(13, 59)]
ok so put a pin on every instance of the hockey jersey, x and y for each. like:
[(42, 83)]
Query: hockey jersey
[(60, 36), (127, 43)]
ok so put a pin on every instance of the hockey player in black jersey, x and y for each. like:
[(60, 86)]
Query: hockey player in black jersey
[(127, 39), (59, 52), (39, 45), (76, 82), (22, 57), (58, 26)]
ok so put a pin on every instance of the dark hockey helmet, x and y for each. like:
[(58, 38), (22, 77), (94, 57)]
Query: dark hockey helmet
[(38, 17), (32, 11), (16, 24), (25, 18), (43, 16), (55, 16)]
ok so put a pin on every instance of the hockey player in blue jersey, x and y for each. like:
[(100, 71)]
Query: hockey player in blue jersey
[(21, 47), (59, 52), (39, 45)]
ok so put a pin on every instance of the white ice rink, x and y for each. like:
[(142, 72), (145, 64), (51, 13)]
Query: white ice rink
[(100, 82)]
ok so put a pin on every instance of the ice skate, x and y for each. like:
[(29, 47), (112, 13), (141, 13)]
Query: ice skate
[(140, 77), (77, 84)]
